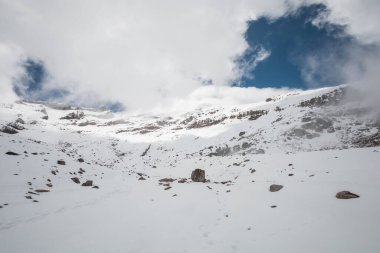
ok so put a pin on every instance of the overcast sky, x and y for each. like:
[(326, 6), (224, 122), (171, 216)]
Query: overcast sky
[(144, 53)]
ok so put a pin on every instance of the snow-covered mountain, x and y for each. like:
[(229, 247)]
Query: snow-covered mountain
[(84, 180)]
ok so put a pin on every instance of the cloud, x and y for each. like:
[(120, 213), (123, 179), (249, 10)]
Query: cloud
[(142, 53), (135, 52), (9, 69), (217, 96)]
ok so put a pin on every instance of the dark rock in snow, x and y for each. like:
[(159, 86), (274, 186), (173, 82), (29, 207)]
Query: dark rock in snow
[(346, 195), (11, 153), (198, 175), (80, 160), (167, 180), (87, 183), (45, 117), (142, 178), (75, 180), (8, 130), (61, 162), (20, 121), (95, 187), (16, 126), (275, 187), (42, 190), (73, 115)]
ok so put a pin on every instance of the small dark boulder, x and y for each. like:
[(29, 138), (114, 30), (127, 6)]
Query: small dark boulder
[(16, 126), (45, 117), (61, 162), (75, 180), (20, 121), (80, 160), (275, 187), (8, 130), (87, 183), (167, 180), (41, 190), (198, 175), (11, 153), (346, 195)]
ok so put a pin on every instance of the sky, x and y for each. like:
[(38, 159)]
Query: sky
[(136, 55)]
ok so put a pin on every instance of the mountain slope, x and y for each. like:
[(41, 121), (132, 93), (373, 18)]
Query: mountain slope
[(313, 143)]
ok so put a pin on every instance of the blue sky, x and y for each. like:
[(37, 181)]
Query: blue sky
[(291, 40)]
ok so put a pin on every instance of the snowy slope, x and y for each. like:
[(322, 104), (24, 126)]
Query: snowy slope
[(314, 143)]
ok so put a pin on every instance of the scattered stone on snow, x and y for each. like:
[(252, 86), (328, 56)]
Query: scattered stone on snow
[(11, 153), (41, 190), (75, 180), (167, 180), (275, 187), (61, 162), (346, 195), (87, 183)]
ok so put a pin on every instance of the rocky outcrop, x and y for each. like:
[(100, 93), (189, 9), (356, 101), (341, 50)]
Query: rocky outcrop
[(73, 115)]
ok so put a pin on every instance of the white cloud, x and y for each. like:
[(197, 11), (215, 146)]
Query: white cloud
[(143, 52), (361, 17), (215, 96), (9, 69), (137, 52)]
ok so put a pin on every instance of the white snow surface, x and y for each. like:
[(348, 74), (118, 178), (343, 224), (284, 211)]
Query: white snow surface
[(233, 211)]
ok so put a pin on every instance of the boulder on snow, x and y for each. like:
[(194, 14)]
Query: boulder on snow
[(75, 180), (16, 126), (275, 187), (8, 130), (198, 175), (20, 121), (61, 162), (87, 183), (41, 190), (346, 195), (80, 160), (167, 180), (11, 153)]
